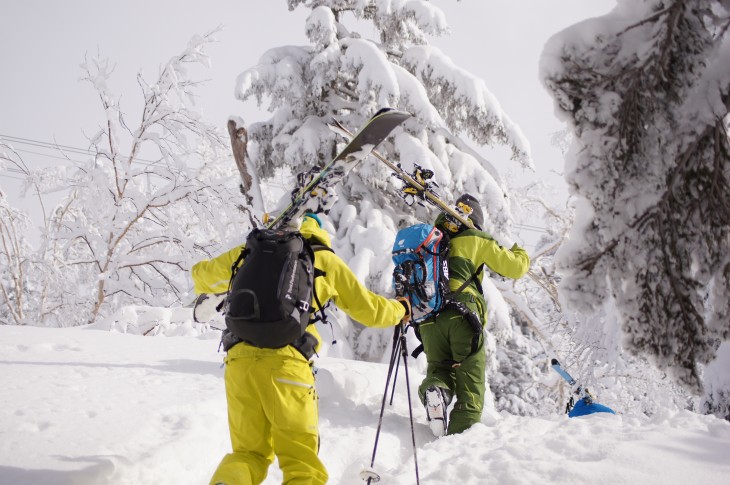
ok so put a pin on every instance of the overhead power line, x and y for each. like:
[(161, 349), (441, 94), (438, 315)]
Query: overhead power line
[(47, 156), (531, 228), (43, 144), (15, 169), (81, 151), (57, 147)]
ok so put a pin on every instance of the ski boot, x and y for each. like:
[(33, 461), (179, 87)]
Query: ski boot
[(437, 401)]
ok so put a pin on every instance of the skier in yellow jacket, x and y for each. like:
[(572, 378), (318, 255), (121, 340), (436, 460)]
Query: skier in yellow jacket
[(272, 402)]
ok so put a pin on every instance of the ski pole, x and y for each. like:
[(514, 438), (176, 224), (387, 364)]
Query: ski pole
[(404, 353), (371, 475), (395, 377)]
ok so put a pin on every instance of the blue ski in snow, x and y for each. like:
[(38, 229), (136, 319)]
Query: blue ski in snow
[(585, 404)]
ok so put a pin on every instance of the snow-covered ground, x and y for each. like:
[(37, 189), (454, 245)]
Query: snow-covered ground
[(91, 406)]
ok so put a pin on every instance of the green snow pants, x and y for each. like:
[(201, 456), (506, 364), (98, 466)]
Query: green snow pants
[(449, 338)]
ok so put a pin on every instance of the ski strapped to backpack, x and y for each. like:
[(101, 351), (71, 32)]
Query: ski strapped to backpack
[(420, 255), (271, 290), (321, 183), (418, 185)]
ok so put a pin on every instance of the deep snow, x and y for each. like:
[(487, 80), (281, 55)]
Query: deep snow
[(92, 406)]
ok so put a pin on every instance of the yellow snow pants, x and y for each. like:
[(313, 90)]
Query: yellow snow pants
[(272, 410)]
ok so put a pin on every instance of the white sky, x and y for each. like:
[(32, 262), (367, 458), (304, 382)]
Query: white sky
[(43, 42)]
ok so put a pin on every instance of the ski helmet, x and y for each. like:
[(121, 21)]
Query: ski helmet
[(476, 216)]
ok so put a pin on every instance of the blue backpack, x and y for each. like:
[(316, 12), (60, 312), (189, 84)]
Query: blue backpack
[(420, 254)]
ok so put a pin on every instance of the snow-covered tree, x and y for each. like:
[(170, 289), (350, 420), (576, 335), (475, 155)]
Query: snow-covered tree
[(346, 75), (15, 256), (596, 358), (151, 200), (646, 90), (29, 280)]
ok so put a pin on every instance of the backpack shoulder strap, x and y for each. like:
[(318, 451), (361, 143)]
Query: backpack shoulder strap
[(321, 247), (473, 278), (234, 267), (316, 247)]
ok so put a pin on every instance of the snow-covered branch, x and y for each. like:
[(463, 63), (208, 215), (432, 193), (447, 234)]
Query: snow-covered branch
[(647, 95)]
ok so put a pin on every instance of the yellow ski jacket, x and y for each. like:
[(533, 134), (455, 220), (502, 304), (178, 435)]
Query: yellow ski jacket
[(338, 284)]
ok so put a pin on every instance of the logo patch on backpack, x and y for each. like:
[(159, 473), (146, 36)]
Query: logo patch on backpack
[(269, 299), (421, 272)]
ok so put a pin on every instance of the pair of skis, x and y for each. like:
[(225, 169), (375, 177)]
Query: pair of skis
[(377, 129), (416, 183), (359, 147)]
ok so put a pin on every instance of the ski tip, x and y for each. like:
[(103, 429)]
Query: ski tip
[(554, 362), (382, 110)]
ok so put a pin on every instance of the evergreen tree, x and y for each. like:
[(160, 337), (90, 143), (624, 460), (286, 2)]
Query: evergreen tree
[(647, 92)]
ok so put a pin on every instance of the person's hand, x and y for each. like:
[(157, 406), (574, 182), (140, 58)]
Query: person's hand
[(407, 305), (206, 306)]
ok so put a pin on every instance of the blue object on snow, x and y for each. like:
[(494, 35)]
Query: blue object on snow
[(582, 408)]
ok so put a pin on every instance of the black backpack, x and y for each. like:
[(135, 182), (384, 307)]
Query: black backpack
[(270, 294)]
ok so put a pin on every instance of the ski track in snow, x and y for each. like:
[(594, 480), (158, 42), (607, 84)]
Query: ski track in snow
[(82, 406)]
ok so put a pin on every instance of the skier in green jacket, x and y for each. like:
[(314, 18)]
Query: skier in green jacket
[(453, 341)]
